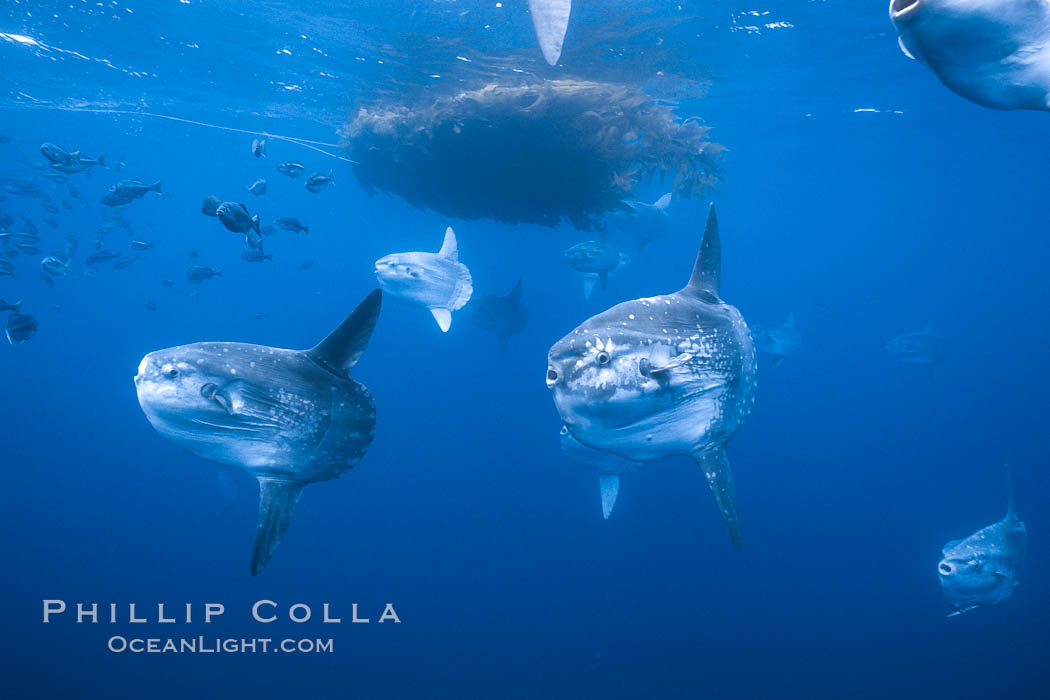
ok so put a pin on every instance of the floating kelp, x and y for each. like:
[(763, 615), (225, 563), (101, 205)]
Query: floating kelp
[(534, 153)]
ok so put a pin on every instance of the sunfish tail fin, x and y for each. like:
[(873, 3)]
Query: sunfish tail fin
[(277, 500), (715, 464), (708, 266), (343, 347), (609, 485)]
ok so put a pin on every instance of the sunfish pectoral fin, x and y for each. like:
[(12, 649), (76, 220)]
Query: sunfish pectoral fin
[(646, 367), (277, 500), (443, 317), (715, 465), (609, 484)]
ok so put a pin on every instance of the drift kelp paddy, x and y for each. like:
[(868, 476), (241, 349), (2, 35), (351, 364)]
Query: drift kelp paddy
[(470, 252)]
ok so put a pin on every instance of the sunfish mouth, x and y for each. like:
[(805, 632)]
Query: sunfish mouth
[(902, 8)]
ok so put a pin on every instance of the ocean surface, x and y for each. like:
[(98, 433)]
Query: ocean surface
[(857, 193)]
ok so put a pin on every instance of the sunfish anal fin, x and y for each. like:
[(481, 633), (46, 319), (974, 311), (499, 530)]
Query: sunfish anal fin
[(609, 484), (715, 465), (960, 611), (277, 500), (589, 282), (443, 318)]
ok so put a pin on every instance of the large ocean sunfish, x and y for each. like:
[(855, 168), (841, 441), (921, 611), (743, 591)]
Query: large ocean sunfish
[(661, 376), (992, 52), (985, 568), (288, 417)]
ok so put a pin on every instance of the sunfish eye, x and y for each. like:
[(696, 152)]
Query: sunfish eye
[(603, 358), (171, 373)]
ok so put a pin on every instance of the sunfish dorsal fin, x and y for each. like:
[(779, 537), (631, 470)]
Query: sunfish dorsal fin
[(550, 19), (277, 500), (515, 294), (344, 346), (449, 247), (708, 266), (1011, 514), (663, 202), (715, 465), (609, 485)]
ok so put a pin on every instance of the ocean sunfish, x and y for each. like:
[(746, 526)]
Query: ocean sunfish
[(984, 568), (550, 19), (437, 281), (608, 466), (992, 52), (505, 316), (925, 348), (779, 340), (594, 260), (660, 376), (288, 417)]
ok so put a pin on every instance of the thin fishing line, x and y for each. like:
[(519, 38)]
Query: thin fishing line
[(305, 143)]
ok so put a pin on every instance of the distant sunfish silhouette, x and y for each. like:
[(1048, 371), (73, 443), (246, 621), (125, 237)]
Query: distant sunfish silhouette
[(992, 52), (925, 348), (643, 221), (608, 466), (288, 417), (437, 281), (985, 568), (661, 376), (779, 340), (550, 19), (505, 316)]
